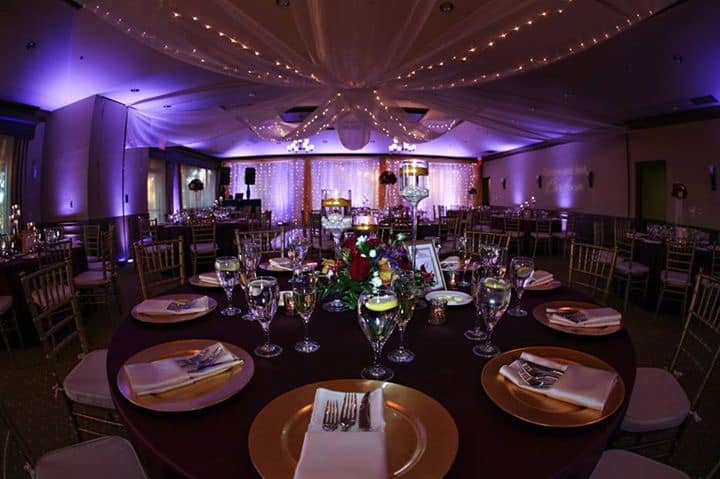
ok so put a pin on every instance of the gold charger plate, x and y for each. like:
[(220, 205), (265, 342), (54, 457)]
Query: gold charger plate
[(541, 316), (539, 409), (195, 280), (174, 318), (421, 435), (198, 395)]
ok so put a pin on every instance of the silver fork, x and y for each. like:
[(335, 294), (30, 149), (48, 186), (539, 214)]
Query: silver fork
[(537, 380), (348, 414), (330, 416)]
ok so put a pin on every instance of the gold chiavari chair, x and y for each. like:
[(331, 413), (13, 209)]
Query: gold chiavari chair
[(542, 234), (8, 322), (203, 248), (321, 245), (261, 221), (161, 266), (147, 229), (99, 285), (628, 271), (385, 234), (598, 233), (715, 261), (271, 241), (663, 400), (477, 238), (91, 241), (676, 278), (56, 252), (55, 312), (621, 229), (512, 228), (109, 457), (568, 235), (591, 268)]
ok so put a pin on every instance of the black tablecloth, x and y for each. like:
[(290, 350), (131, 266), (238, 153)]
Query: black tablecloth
[(213, 443)]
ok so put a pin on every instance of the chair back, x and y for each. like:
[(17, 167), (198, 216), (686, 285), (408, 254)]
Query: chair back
[(203, 233), (384, 233), (107, 254), (55, 252), (598, 233), (511, 223), (475, 239), (621, 228), (679, 257), (699, 347), (161, 265), (54, 308), (625, 247), (591, 268), (543, 226), (715, 262), (147, 228), (91, 239), (267, 239)]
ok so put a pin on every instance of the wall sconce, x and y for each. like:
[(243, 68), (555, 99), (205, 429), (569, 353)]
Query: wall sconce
[(713, 177), (539, 181), (590, 178), (504, 183)]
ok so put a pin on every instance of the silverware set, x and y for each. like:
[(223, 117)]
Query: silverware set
[(538, 376), (343, 416), (201, 360)]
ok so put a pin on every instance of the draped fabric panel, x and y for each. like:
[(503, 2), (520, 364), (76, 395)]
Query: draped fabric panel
[(17, 168), (360, 62), (6, 160), (359, 175)]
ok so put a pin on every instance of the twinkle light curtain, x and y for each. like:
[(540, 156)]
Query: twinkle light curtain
[(360, 62), (360, 175), (278, 185)]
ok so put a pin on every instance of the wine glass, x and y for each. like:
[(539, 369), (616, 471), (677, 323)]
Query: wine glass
[(414, 187), (521, 269), (304, 287), (263, 295), (336, 218), (252, 254), (493, 298), (298, 248), (377, 314), (227, 268), (462, 249), (406, 291)]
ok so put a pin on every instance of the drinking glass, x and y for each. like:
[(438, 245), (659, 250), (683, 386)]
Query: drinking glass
[(377, 314), (298, 248), (227, 268), (304, 287), (248, 258), (465, 257), (493, 298), (406, 292), (252, 254), (521, 270), (263, 295)]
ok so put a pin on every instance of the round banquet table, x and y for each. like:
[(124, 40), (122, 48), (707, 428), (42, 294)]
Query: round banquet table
[(213, 443)]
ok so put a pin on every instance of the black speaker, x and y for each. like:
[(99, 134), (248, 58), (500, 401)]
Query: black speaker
[(224, 176), (249, 176)]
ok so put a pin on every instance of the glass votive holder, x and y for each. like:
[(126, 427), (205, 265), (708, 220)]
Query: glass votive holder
[(288, 302), (437, 311)]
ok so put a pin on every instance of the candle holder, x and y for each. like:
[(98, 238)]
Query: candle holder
[(438, 307), (414, 187), (336, 219)]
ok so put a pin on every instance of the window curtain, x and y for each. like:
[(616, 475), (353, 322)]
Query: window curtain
[(197, 199), (360, 175), (157, 197), (172, 187), (6, 160), (278, 185), (17, 170)]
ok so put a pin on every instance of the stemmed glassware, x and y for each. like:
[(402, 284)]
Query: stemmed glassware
[(298, 248), (227, 269), (492, 298), (406, 291), (336, 218), (304, 287), (377, 314), (249, 255), (521, 270), (414, 187), (493, 265), (263, 295), (465, 256)]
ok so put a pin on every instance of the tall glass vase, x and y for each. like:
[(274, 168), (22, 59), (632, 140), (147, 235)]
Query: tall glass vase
[(414, 187), (336, 219)]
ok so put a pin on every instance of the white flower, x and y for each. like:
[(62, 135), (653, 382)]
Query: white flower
[(376, 281), (372, 253), (361, 240)]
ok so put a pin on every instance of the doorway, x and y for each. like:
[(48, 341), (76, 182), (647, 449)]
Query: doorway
[(651, 188), (486, 191)]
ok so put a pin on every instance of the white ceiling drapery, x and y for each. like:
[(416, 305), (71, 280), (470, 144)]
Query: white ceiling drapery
[(361, 62)]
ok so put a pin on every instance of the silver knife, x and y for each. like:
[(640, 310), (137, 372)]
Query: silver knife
[(364, 416)]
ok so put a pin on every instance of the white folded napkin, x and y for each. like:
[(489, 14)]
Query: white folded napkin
[(580, 385), (585, 318), (166, 374), (209, 278), (169, 306), (450, 263), (354, 454), (281, 263), (540, 278)]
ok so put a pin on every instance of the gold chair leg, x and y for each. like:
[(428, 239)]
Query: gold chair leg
[(535, 242), (660, 298), (628, 282)]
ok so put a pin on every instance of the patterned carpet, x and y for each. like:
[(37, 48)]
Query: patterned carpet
[(26, 384)]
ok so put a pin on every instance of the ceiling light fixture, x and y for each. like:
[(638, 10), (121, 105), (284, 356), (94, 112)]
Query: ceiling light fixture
[(282, 3), (301, 146), (397, 147), (447, 7), (134, 90)]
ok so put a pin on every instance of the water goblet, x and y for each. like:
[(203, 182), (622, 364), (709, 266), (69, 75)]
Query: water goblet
[(493, 298), (298, 248), (465, 257), (377, 314), (227, 268), (521, 271), (252, 255), (407, 292), (263, 295), (304, 288)]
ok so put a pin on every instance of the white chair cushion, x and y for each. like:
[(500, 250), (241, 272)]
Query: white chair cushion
[(617, 464), (632, 267), (88, 279), (676, 278), (99, 265), (87, 383), (5, 304), (204, 248), (109, 457), (657, 402), (541, 235), (58, 292)]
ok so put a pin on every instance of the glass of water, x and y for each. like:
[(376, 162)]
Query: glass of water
[(227, 268), (377, 314), (263, 294), (492, 299), (298, 248), (521, 271)]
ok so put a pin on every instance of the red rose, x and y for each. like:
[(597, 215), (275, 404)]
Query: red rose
[(359, 268), (373, 242), (350, 244), (405, 263)]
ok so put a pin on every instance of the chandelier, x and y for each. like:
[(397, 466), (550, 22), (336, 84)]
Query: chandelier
[(396, 146), (301, 146)]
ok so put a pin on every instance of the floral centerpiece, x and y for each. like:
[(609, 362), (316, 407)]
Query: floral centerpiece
[(367, 263)]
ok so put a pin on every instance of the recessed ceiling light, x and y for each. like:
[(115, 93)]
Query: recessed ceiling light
[(447, 7), (282, 3), (167, 106), (30, 45), (678, 59), (134, 90)]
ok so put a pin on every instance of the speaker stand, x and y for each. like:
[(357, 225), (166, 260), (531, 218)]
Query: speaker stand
[(247, 193)]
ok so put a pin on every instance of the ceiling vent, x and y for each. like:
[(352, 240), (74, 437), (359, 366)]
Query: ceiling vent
[(703, 100)]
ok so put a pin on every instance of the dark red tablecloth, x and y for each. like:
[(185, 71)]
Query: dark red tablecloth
[(213, 443)]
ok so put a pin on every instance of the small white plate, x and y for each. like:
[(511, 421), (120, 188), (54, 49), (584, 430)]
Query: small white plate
[(454, 298)]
